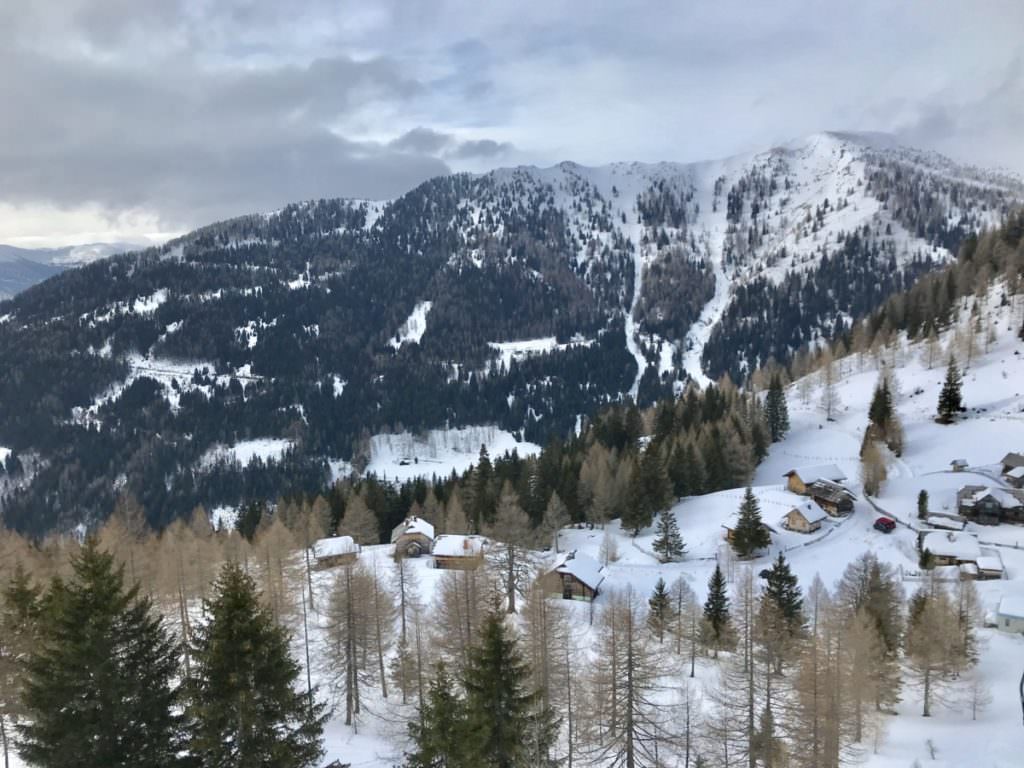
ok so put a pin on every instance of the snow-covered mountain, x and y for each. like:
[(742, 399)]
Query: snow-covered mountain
[(524, 298), (21, 268)]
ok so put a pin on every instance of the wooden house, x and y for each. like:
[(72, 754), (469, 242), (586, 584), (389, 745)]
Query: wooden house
[(804, 518), (1015, 477), (836, 500), (799, 480), (459, 553), (1010, 614), (958, 465), (412, 537), (730, 527), (990, 506), (949, 548), (1012, 461), (573, 576), (335, 551)]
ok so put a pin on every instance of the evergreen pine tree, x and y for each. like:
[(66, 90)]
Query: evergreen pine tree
[(507, 726), (922, 504), (716, 608), (19, 615), (782, 591), (661, 613), (439, 732), (750, 534), (776, 409), (244, 708), (669, 544), (650, 491), (98, 689), (950, 398)]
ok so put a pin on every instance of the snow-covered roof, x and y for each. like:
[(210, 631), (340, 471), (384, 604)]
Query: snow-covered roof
[(946, 522), (960, 546), (1006, 499), (1013, 460), (585, 568), (990, 563), (1012, 606), (1017, 473), (811, 511), (334, 546), (454, 545), (412, 525), (959, 462), (819, 472)]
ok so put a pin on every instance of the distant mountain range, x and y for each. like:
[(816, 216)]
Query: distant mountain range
[(524, 297), (21, 268)]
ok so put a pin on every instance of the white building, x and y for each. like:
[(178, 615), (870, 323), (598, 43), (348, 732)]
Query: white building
[(1010, 616)]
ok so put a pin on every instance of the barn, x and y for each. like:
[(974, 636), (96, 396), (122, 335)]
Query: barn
[(412, 537), (459, 553), (799, 480), (335, 551), (573, 576)]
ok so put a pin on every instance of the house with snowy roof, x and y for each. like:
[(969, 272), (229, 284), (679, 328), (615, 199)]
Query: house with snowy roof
[(459, 553), (573, 576), (335, 551), (1015, 477), (412, 537), (798, 480), (949, 548), (1012, 461), (733, 520), (834, 498), (987, 505), (1010, 614), (805, 518)]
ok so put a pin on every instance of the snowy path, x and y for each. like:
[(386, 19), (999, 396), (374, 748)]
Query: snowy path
[(632, 342)]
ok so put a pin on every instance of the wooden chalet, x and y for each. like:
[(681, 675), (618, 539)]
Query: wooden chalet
[(836, 500), (1015, 477), (990, 506), (799, 480), (335, 551), (805, 518), (949, 548), (958, 465), (730, 527), (412, 537), (573, 576), (1012, 461), (459, 553)]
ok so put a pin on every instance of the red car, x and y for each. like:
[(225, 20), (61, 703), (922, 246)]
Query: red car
[(885, 525)]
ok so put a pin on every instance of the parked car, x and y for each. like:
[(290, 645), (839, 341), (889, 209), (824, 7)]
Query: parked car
[(885, 525)]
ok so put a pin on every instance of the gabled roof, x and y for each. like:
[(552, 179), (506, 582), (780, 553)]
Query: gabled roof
[(959, 546), (829, 491), (584, 568), (412, 525), (455, 545), (1006, 499), (1013, 460), (811, 512), (334, 546), (1017, 473), (1012, 606), (819, 472), (959, 462)]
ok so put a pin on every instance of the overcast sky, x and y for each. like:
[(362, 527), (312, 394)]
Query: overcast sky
[(126, 118)]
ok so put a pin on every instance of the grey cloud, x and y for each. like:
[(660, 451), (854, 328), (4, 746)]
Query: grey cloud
[(483, 149), (420, 139)]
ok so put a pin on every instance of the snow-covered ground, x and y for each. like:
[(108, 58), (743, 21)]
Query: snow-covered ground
[(414, 327), (520, 350), (246, 450), (439, 452)]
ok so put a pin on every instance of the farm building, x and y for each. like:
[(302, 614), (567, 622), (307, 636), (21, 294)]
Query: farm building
[(1010, 615), (459, 553), (412, 537), (574, 576), (798, 480), (990, 506), (958, 465), (990, 567), (804, 518), (832, 497), (335, 551), (946, 522)]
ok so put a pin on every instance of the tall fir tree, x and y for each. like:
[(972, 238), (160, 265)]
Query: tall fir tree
[(783, 592), (660, 611), (750, 534), (19, 619), (507, 725), (922, 504), (716, 609), (244, 707), (650, 491), (438, 734), (776, 409), (99, 687), (668, 544), (951, 396)]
